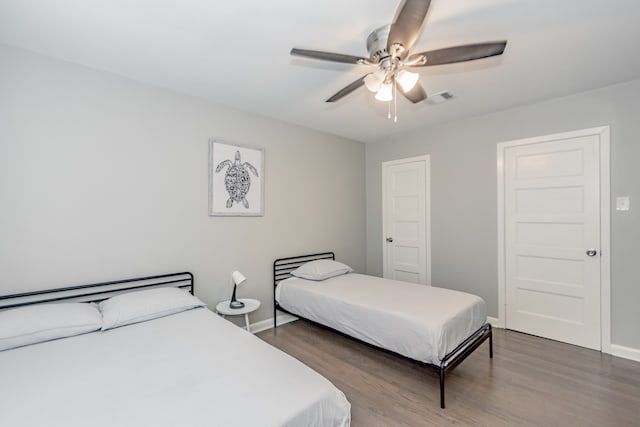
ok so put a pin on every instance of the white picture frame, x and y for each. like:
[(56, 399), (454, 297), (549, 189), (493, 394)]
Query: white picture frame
[(236, 179)]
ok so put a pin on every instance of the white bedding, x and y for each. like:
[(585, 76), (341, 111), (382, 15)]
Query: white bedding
[(417, 321), (187, 369)]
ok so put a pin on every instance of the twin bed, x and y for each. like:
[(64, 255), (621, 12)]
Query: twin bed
[(187, 367), (435, 326)]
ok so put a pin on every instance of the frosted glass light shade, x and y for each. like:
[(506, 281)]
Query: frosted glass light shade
[(385, 93), (407, 79), (372, 82)]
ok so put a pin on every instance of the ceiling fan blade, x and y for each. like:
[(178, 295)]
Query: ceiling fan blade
[(406, 25), (329, 56), (451, 55), (347, 89), (416, 94)]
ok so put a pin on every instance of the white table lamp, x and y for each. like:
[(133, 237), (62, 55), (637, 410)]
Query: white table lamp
[(237, 278)]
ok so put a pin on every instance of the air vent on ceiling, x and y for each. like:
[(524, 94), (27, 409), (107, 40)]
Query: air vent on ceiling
[(439, 98)]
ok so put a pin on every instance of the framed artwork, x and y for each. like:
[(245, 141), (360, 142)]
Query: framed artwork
[(236, 179)]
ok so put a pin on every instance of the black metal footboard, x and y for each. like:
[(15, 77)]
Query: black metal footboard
[(461, 352)]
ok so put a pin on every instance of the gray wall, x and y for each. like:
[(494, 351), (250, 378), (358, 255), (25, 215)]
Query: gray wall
[(104, 178), (464, 197)]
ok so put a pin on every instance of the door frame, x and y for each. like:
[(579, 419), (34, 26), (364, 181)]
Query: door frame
[(603, 132), (427, 160)]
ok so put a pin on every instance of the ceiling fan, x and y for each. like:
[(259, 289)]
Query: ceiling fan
[(388, 49)]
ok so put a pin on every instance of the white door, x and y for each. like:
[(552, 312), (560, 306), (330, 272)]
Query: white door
[(552, 238), (405, 219)]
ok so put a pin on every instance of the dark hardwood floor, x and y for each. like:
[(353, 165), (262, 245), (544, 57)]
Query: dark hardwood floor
[(530, 381)]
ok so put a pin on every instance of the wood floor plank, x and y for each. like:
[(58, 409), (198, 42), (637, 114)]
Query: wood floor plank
[(530, 381)]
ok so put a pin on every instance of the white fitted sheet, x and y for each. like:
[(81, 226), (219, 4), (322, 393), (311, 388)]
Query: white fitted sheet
[(188, 369), (420, 322)]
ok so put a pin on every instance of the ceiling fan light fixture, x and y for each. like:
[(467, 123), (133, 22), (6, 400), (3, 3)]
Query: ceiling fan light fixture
[(407, 79), (385, 93), (372, 82)]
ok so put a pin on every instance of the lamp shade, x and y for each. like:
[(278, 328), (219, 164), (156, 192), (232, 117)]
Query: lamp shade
[(237, 277), (407, 79), (372, 82), (385, 93)]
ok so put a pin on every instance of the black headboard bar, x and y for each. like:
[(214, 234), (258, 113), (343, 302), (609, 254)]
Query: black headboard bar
[(282, 268), (95, 292)]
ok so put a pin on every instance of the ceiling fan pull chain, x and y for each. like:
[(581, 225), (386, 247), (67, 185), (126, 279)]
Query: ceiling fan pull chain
[(395, 101), (389, 110)]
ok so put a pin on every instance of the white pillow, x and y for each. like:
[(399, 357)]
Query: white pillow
[(321, 269), (134, 307), (43, 322)]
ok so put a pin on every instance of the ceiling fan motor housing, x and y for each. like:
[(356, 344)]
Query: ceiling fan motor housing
[(377, 43), (378, 54)]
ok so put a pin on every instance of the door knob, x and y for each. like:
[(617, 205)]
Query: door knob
[(389, 239), (592, 252)]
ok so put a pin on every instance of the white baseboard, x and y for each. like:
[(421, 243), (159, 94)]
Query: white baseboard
[(495, 322), (616, 350), (625, 352), (263, 325)]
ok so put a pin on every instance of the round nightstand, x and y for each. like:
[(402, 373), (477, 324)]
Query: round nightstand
[(250, 305)]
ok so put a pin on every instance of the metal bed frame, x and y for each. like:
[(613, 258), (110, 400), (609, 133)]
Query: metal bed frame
[(282, 268), (96, 292)]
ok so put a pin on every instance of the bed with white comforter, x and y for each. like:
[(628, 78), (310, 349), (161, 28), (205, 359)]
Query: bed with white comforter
[(421, 322), (186, 369)]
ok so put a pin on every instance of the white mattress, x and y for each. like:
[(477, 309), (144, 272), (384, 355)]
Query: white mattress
[(189, 369), (420, 322)]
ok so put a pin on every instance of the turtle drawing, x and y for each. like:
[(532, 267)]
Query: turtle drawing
[(237, 179)]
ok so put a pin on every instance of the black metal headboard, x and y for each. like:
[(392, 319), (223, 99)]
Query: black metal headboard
[(282, 268), (95, 292)]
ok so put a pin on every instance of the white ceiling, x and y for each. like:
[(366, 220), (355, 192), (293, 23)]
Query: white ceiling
[(236, 53)]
